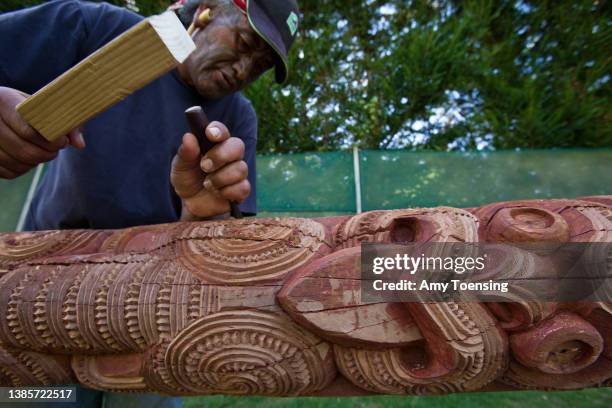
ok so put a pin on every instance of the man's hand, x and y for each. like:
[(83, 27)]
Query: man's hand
[(207, 184), (22, 147)]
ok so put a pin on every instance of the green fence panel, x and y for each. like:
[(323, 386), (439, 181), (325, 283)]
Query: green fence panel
[(306, 182), (400, 179), (322, 184)]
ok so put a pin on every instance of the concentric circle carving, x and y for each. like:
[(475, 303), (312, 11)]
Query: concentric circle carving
[(18, 248), (441, 224), (248, 252), (528, 224), (244, 352)]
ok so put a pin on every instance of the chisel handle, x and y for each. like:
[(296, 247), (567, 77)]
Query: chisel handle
[(198, 122)]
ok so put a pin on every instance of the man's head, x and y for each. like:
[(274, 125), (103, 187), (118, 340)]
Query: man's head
[(237, 44)]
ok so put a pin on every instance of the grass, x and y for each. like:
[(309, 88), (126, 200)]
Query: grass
[(601, 397)]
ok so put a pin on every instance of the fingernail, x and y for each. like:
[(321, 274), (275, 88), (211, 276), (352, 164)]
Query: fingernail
[(207, 184), (215, 132), (81, 139), (207, 165)]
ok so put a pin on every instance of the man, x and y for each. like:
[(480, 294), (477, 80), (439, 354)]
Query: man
[(129, 166)]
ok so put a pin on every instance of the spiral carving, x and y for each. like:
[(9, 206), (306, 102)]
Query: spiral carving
[(551, 348), (16, 248), (243, 352), (271, 306), (598, 374), (247, 252), (465, 351), (22, 368), (147, 239), (516, 309), (441, 224), (527, 224), (563, 344)]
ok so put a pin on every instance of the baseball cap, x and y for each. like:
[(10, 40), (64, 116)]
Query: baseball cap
[(276, 22)]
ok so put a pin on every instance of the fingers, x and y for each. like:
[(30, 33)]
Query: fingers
[(13, 166), (7, 174), (20, 127), (227, 172), (217, 132), (208, 183), (236, 192), (75, 138), (223, 153), (230, 182), (231, 174), (22, 150), (21, 146)]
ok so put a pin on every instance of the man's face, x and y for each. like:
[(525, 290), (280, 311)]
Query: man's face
[(229, 55)]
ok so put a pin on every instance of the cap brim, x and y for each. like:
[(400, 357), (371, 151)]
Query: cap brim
[(264, 27)]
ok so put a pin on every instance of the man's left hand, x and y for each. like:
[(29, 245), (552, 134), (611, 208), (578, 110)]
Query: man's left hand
[(207, 184)]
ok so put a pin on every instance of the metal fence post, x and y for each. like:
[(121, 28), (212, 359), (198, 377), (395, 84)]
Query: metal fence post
[(357, 173)]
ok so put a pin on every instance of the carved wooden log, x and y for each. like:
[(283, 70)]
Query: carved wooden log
[(273, 307)]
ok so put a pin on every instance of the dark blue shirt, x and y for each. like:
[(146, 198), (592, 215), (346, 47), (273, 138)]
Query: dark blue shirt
[(122, 177)]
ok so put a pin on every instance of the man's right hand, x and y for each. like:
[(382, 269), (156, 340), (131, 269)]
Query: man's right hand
[(22, 147)]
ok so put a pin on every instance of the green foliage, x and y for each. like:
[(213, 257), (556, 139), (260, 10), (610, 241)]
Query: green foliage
[(441, 75)]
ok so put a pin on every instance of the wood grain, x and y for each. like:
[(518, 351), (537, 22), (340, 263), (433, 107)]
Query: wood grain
[(273, 307), (140, 55)]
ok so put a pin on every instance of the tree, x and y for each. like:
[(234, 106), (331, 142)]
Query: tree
[(443, 75), (438, 74)]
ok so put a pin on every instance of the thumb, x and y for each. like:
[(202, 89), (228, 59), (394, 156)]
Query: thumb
[(186, 175), (188, 154)]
